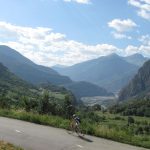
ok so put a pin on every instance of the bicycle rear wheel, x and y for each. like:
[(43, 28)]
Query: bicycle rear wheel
[(79, 131)]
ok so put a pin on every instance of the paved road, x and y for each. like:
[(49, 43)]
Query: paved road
[(37, 137)]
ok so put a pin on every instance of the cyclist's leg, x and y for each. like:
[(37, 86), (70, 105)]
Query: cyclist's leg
[(72, 126), (79, 131), (77, 128)]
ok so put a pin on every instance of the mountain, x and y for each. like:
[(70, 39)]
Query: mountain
[(111, 72), (58, 67), (88, 89), (37, 74), (27, 70), (10, 83), (139, 86), (136, 59), (18, 94)]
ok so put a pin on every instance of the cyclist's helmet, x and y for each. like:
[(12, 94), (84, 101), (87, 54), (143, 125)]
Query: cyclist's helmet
[(74, 115)]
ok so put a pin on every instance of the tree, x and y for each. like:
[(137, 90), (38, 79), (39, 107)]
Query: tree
[(5, 102), (97, 107), (47, 104), (130, 120), (69, 109), (147, 112), (44, 103), (26, 104)]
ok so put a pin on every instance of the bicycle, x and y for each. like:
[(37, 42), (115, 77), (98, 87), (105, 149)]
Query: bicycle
[(75, 127)]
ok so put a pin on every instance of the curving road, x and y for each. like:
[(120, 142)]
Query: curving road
[(37, 137)]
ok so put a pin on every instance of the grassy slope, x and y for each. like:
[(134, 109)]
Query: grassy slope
[(115, 127), (8, 146)]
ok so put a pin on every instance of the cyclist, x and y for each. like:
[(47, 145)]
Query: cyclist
[(75, 123), (76, 119)]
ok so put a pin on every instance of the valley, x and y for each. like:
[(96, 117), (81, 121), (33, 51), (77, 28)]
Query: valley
[(100, 100), (74, 75), (105, 114)]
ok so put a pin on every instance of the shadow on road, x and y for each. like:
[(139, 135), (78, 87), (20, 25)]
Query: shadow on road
[(85, 139), (81, 137)]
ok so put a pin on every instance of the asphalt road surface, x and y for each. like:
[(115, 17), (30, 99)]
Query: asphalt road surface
[(37, 137)]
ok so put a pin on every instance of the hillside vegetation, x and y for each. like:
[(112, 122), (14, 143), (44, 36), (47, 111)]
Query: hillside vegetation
[(12, 85), (138, 107), (46, 99)]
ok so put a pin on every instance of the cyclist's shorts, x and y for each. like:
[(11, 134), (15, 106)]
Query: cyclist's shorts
[(77, 123)]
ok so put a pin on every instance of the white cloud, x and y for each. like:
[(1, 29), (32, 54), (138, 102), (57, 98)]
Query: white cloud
[(122, 25), (79, 1), (130, 49), (145, 39), (142, 49), (143, 7), (44, 46), (118, 35)]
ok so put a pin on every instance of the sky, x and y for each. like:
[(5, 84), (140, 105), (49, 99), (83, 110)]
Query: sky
[(67, 32)]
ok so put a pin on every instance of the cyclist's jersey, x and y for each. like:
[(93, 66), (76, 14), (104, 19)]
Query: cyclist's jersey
[(77, 120)]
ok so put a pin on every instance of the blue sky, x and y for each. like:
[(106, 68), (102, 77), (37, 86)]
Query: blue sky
[(78, 30)]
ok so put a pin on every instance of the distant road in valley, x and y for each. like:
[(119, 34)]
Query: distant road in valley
[(38, 137)]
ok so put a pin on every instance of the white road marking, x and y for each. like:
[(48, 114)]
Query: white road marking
[(18, 131), (80, 146)]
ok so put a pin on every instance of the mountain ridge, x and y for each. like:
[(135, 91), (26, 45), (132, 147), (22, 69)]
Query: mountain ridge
[(136, 59), (111, 72), (27, 70), (37, 74)]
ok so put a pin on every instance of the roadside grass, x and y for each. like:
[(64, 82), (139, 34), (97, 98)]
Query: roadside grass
[(8, 146), (117, 134), (54, 121), (113, 127)]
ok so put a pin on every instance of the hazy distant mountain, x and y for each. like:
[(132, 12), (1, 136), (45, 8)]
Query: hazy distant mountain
[(36, 74), (28, 70), (58, 67), (88, 89), (111, 72), (139, 85), (136, 59)]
